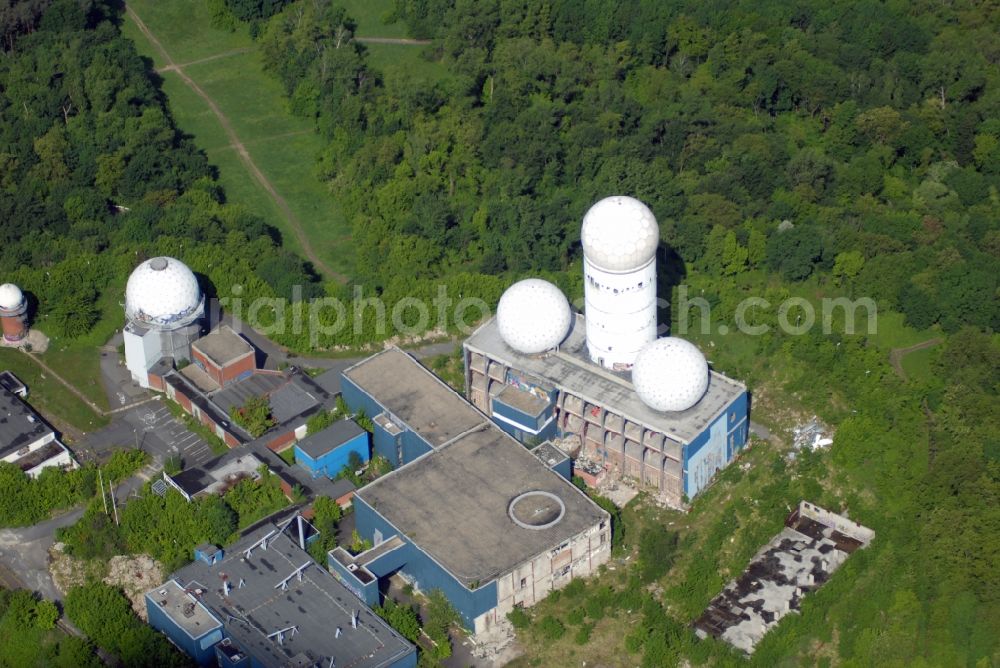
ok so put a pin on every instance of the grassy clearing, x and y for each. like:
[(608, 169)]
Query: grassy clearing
[(288, 456), (184, 29), (192, 115), (892, 332), (50, 397), (79, 360), (281, 145), (404, 62), (919, 365), (370, 15)]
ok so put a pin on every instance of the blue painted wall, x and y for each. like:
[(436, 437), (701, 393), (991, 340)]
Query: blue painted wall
[(526, 427), (715, 446), (408, 444), (334, 461), (214, 559), (366, 591), (531, 422), (413, 446), (564, 468), (386, 445), (225, 662), (427, 573), (201, 649)]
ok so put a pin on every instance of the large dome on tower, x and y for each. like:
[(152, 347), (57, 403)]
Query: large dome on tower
[(162, 291), (619, 234), (670, 374), (533, 316)]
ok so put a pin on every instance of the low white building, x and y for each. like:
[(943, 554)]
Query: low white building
[(26, 441)]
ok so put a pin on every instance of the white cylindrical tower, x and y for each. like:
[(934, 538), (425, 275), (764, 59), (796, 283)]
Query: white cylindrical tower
[(620, 237)]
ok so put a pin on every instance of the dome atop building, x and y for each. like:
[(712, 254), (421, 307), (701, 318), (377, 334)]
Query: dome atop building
[(619, 234), (670, 374), (162, 291), (533, 316), (11, 296)]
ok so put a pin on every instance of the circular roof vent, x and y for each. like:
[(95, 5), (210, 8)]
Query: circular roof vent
[(619, 234), (670, 374), (533, 316), (536, 510)]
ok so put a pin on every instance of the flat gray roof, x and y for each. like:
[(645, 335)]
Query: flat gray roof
[(338, 433), (20, 426), (549, 454), (223, 345), (184, 610), (316, 605), (415, 395), (453, 502), (526, 402), (571, 370)]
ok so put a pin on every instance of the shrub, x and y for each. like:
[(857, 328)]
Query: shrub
[(657, 550), (551, 628), (105, 615), (254, 415), (402, 618), (582, 636), (518, 618)]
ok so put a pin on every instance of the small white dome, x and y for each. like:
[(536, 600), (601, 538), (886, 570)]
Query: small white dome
[(619, 234), (10, 296), (533, 316), (162, 291), (670, 374)]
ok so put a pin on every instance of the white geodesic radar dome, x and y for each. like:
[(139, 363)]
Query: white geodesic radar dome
[(670, 374), (162, 291), (619, 234), (11, 296), (533, 316)]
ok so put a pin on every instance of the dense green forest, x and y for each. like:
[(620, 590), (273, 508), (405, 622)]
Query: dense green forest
[(28, 636), (94, 177), (787, 148), (872, 127)]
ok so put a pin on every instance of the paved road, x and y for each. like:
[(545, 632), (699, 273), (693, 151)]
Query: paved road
[(26, 552), (271, 355), (152, 428)]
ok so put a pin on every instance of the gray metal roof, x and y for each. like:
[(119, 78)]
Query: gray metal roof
[(316, 605), (20, 426), (288, 395), (571, 370), (415, 395), (319, 444), (453, 504)]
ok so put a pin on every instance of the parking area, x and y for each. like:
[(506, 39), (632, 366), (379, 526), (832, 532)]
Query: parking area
[(165, 433)]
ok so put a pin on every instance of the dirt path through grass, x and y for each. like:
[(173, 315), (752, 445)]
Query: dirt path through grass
[(393, 40), (293, 221), (896, 355), (175, 67)]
